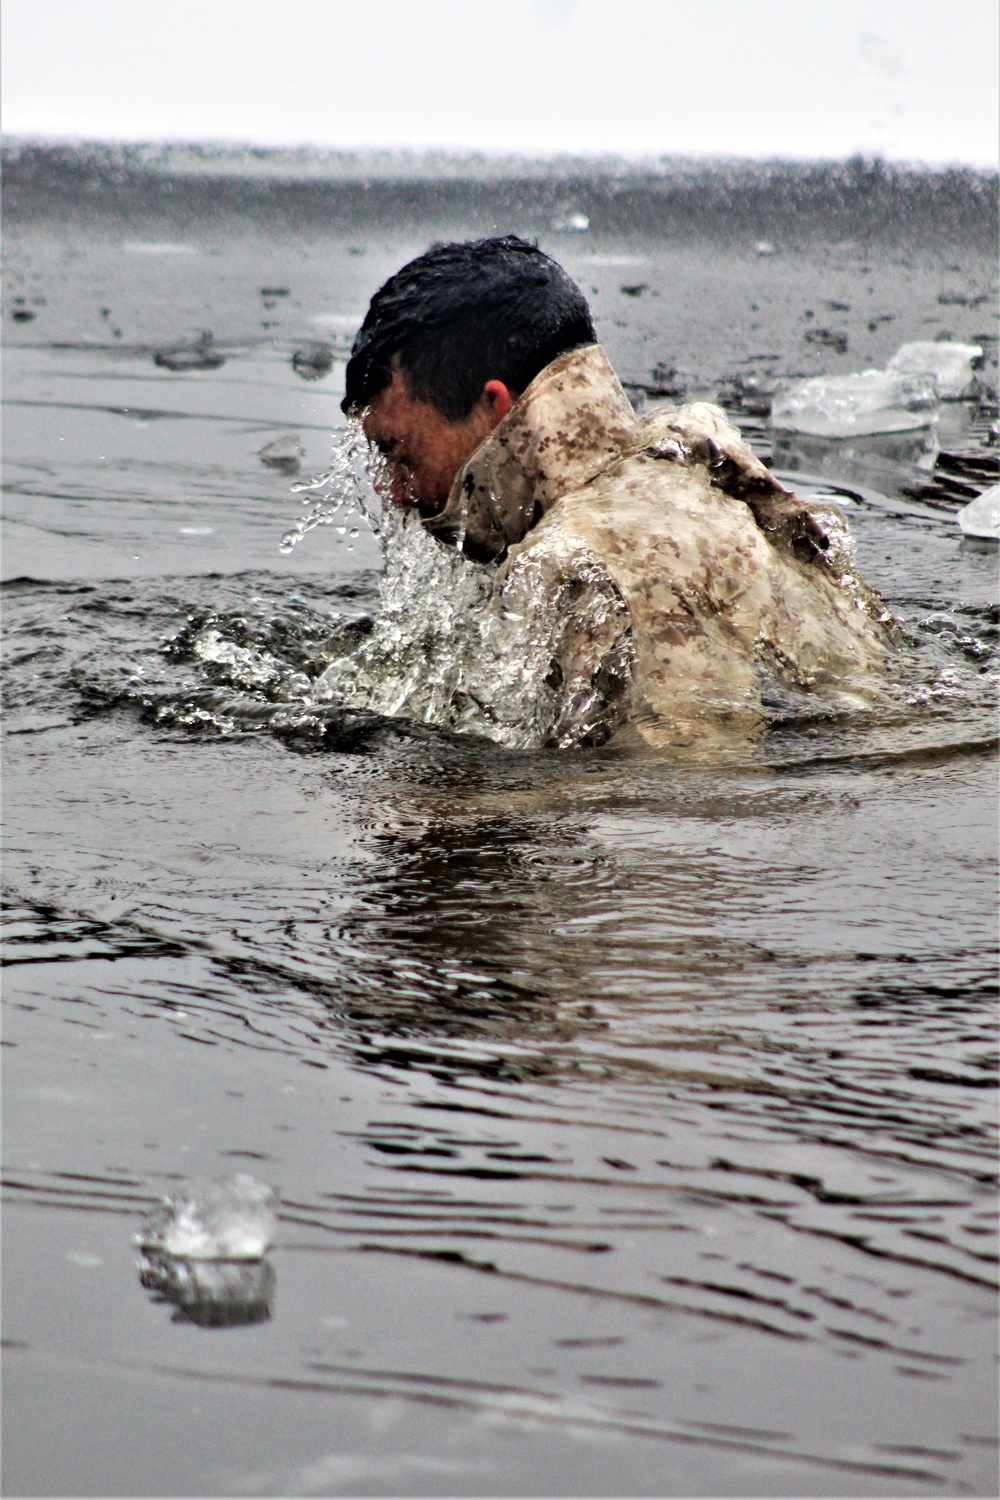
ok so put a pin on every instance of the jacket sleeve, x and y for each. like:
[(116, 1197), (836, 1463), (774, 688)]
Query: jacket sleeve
[(581, 634)]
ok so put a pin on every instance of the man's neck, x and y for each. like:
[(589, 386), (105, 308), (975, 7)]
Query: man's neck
[(571, 421)]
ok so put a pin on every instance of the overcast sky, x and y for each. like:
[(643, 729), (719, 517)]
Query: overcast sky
[(907, 79)]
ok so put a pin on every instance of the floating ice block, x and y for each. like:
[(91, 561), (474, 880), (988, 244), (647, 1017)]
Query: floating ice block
[(230, 1220), (858, 405), (949, 364), (283, 454), (981, 517)]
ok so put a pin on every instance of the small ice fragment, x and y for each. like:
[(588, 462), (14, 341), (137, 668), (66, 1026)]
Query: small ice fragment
[(284, 453), (981, 517), (313, 361), (765, 247), (857, 405), (196, 530), (571, 221), (828, 338), (201, 355), (234, 1219), (949, 364)]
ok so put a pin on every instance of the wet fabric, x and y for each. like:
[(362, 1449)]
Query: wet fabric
[(696, 591)]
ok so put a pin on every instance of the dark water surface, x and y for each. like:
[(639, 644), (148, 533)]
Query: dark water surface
[(633, 1117)]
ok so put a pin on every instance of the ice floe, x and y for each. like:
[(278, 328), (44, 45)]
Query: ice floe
[(857, 405), (951, 365), (234, 1219), (981, 517), (901, 398)]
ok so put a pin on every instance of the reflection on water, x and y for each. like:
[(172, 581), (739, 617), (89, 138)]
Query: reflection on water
[(211, 1293), (882, 451)]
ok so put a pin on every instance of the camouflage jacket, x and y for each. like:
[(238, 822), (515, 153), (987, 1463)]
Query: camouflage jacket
[(688, 591)]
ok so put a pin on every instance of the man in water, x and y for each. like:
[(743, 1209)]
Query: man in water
[(687, 591)]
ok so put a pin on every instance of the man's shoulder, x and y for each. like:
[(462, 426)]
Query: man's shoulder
[(688, 477), (661, 486)]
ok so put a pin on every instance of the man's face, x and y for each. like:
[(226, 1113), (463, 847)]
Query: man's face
[(423, 450)]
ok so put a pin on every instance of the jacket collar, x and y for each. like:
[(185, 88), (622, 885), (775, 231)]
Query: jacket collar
[(570, 423)]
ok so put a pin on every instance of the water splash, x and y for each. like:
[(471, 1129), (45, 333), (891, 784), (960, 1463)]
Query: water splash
[(431, 602), (343, 492), (444, 651)]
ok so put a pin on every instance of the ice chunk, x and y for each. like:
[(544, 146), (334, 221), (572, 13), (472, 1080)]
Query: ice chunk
[(201, 355), (858, 405), (234, 1219), (949, 364), (284, 453), (313, 361), (981, 517)]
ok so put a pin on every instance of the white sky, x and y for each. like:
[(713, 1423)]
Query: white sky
[(908, 79)]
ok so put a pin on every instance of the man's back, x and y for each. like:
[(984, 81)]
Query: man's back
[(691, 587)]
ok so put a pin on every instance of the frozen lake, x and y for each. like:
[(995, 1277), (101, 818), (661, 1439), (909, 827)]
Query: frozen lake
[(633, 1117)]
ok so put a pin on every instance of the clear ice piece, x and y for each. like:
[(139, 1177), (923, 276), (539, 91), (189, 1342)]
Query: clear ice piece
[(201, 355), (234, 1219), (313, 361), (949, 364), (872, 401), (981, 517), (284, 453)]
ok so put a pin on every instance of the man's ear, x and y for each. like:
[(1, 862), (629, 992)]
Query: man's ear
[(499, 399)]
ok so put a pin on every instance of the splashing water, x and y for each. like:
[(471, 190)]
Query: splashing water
[(342, 492), (444, 650), (431, 599), (438, 652)]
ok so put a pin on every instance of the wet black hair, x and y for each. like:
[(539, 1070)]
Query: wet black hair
[(465, 313)]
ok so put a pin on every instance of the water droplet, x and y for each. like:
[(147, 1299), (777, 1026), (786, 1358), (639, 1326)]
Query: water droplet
[(346, 488)]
